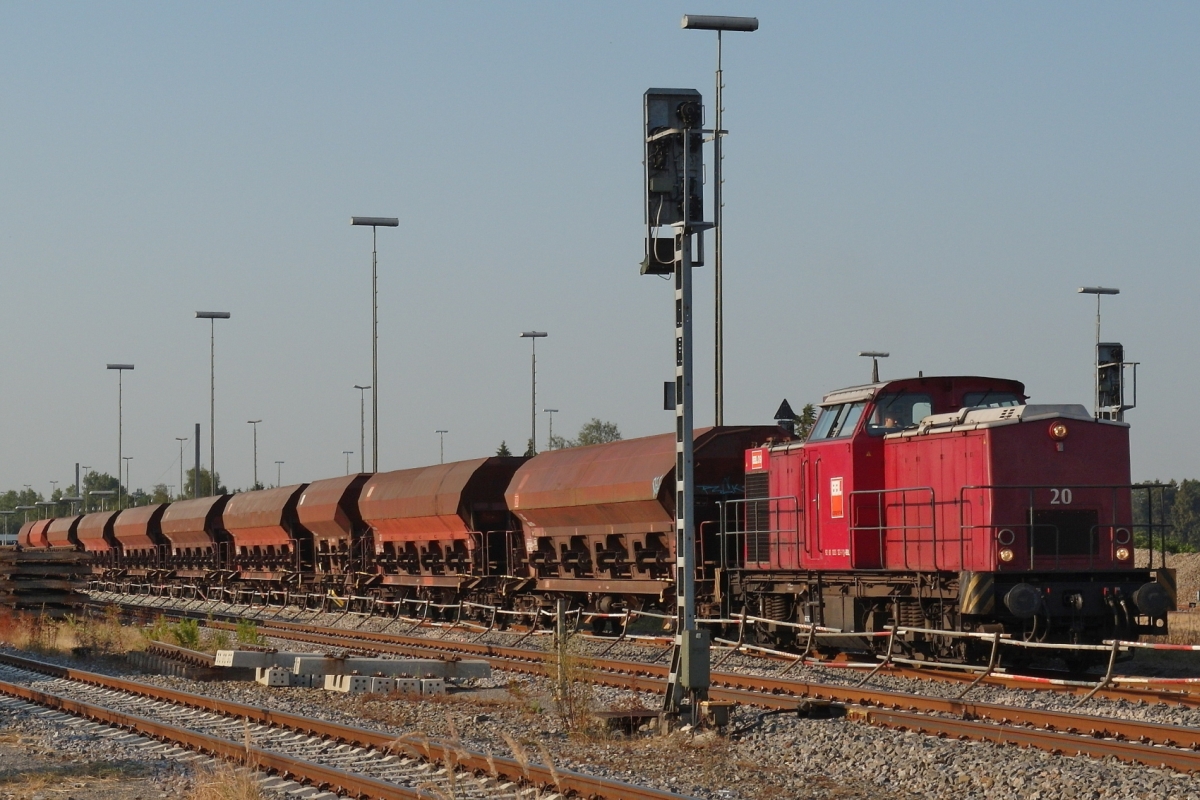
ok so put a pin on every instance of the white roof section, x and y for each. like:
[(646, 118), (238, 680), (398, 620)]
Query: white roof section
[(853, 394), (969, 419)]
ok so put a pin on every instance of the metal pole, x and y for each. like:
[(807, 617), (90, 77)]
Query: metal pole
[(533, 401), (120, 432), (691, 679), (374, 355), (181, 440), (255, 456), (1096, 370), (719, 247), (278, 473), (212, 408), (196, 474)]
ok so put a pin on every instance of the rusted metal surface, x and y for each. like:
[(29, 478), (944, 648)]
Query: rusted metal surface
[(95, 531), (621, 487), (37, 533), (563, 781), (443, 502), (139, 529), (329, 508), (61, 531), (193, 523), (261, 518), (23, 534)]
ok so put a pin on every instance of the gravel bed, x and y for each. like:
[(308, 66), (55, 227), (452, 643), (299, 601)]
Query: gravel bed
[(767, 667), (770, 756)]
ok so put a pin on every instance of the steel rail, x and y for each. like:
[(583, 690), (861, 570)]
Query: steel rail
[(1150, 692), (777, 693), (327, 778), (545, 776)]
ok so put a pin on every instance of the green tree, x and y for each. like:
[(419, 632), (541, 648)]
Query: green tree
[(503, 450), (594, 431), (161, 494), (1185, 514), (99, 482), (530, 450), (189, 483), (805, 421)]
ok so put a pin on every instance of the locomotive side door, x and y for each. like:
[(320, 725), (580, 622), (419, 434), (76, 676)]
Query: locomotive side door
[(831, 473)]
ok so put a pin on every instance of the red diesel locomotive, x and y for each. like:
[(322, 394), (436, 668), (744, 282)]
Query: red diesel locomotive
[(928, 503), (946, 503)]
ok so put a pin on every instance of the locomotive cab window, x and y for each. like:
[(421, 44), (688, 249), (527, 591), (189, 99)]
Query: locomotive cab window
[(837, 421), (896, 411), (990, 399)]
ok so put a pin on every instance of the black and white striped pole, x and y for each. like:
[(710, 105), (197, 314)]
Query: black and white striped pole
[(674, 200)]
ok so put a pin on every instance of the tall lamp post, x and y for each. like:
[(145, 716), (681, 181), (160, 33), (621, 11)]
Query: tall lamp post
[(212, 317), (874, 355), (82, 499), (6, 515), (699, 22), (26, 509), (375, 223), (362, 429), (347, 454), (181, 440), (550, 412), (441, 445), (278, 473), (533, 336), (120, 368), (128, 491), (254, 422)]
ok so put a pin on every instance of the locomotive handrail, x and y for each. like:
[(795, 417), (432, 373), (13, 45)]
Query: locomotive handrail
[(1115, 524), (774, 536), (882, 528)]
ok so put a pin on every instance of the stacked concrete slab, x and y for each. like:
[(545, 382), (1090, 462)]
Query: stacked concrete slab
[(417, 676)]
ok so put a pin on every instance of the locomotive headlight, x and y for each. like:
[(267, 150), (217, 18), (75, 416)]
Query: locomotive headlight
[(1122, 554), (1058, 431), (1121, 536), (1006, 554), (1006, 536)]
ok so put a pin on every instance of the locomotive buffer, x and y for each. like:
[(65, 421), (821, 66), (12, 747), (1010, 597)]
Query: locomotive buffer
[(675, 201)]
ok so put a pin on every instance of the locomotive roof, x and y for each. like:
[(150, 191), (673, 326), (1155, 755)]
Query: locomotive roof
[(867, 391)]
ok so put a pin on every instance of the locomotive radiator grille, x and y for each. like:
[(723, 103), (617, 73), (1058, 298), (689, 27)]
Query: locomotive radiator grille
[(758, 518)]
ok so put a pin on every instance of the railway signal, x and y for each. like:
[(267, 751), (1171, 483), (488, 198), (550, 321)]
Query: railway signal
[(674, 199), (1110, 368)]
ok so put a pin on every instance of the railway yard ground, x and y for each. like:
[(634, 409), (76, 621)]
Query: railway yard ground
[(514, 715)]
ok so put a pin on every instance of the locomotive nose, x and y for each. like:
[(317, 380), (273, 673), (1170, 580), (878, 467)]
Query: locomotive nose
[(1023, 600), (1152, 599)]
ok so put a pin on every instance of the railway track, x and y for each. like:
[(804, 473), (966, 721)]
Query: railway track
[(1133, 741), (339, 759)]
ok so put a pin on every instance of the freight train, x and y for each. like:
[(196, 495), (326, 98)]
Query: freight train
[(930, 503)]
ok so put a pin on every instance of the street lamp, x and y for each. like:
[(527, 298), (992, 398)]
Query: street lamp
[(181, 440), (533, 336), (120, 368), (720, 25), (102, 493), (874, 355), (26, 509), (53, 487), (6, 514), (278, 472), (550, 436), (347, 454), (375, 222), (44, 504), (362, 429), (212, 317), (441, 445), (254, 422)]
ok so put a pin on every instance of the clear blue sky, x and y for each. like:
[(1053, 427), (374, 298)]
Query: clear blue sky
[(933, 179)]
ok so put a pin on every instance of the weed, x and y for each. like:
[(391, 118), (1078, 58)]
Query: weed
[(574, 695), (186, 633), (225, 782), (247, 633)]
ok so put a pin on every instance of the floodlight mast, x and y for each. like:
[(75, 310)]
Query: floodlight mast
[(375, 223), (874, 355), (704, 22)]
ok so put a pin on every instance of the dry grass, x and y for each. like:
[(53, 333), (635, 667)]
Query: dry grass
[(574, 694), (104, 636), (225, 782), (1184, 627)]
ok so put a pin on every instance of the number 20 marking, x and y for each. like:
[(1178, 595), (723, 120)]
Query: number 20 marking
[(1060, 497)]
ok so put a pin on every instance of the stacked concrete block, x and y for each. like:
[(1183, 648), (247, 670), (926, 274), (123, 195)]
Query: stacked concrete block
[(273, 676), (432, 686)]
